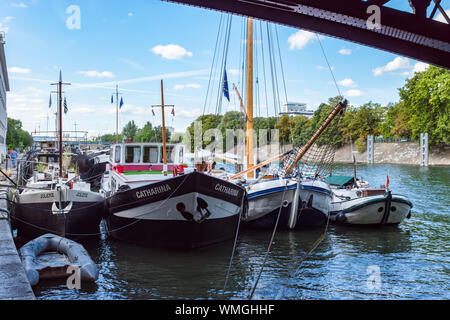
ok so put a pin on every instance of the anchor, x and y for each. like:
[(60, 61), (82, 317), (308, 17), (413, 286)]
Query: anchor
[(56, 210)]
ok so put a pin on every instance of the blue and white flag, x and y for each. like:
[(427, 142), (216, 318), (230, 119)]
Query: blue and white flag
[(112, 99), (225, 86), (65, 105), (121, 102)]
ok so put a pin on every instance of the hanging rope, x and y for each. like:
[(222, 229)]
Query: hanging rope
[(250, 296)]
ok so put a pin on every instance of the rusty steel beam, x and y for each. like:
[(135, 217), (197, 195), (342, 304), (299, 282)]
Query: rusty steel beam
[(408, 34)]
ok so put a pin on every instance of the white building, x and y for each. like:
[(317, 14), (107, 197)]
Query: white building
[(296, 108), (4, 87)]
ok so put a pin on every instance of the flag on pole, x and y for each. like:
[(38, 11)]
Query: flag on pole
[(121, 102), (112, 99), (153, 112), (173, 112), (65, 105), (387, 182), (225, 86), (50, 101)]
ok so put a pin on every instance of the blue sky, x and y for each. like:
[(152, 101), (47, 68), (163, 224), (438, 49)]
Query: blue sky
[(136, 43)]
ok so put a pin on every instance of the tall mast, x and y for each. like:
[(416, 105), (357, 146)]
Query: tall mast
[(163, 130), (60, 84), (249, 153), (117, 113)]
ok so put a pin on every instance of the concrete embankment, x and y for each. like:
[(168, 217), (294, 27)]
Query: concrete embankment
[(396, 153), (14, 284)]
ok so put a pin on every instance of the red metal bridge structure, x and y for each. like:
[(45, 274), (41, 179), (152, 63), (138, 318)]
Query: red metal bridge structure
[(416, 35)]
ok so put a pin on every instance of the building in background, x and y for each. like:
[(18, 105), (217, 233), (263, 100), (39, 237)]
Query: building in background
[(295, 109), (4, 87)]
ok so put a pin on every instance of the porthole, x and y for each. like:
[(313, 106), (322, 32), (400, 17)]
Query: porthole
[(380, 209), (393, 209)]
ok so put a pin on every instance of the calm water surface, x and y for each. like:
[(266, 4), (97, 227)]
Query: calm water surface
[(413, 258)]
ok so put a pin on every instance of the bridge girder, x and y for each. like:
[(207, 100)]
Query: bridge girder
[(412, 35)]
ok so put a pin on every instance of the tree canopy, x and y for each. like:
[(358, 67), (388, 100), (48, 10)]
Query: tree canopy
[(16, 137)]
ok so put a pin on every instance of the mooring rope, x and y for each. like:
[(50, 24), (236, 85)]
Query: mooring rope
[(250, 296), (303, 258), (234, 246)]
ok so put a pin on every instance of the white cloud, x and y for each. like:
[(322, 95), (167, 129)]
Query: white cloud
[(349, 83), (171, 51), (354, 93), (300, 39), (234, 72), (419, 67), (130, 14), (82, 110), (7, 19), (19, 5), (97, 74), (323, 68), (440, 16), (18, 70), (190, 85), (345, 52), (397, 64)]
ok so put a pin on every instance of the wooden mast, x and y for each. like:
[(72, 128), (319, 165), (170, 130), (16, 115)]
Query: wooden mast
[(60, 142), (60, 123), (117, 114), (249, 149), (163, 131)]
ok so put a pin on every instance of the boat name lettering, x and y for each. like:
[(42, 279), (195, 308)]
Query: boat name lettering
[(82, 195), (227, 190), (152, 191), (47, 195)]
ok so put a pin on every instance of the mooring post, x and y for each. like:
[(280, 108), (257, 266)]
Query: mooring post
[(370, 151), (424, 149)]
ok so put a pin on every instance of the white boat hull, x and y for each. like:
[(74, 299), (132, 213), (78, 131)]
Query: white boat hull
[(370, 210)]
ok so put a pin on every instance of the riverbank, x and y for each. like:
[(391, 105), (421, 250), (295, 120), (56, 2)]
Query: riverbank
[(395, 153)]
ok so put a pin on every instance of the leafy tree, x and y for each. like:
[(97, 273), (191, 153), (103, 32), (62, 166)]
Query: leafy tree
[(146, 134), (157, 131), (209, 121), (111, 138), (284, 127), (130, 130), (16, 137), (426, 96)]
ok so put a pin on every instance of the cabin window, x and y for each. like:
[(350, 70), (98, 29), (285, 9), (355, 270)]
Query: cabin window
[(169, 151), (133, 154), (117, 155), (150, 155)]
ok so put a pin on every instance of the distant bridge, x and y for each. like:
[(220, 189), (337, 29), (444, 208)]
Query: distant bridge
[(370, 22)]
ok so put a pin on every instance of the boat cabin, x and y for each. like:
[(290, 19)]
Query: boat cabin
[(145, 158)]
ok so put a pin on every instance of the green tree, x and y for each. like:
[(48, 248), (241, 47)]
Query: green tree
[(426, 96), (146, 134), (130, 130), (284, 127), (16, 137)]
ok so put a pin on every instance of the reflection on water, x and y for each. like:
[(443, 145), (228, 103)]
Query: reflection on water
[(413, 258)]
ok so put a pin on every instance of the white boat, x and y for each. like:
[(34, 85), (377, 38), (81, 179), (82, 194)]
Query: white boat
[(63, 206), (366, 206)]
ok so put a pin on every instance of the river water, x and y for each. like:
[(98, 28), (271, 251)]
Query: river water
[(409, 261)]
